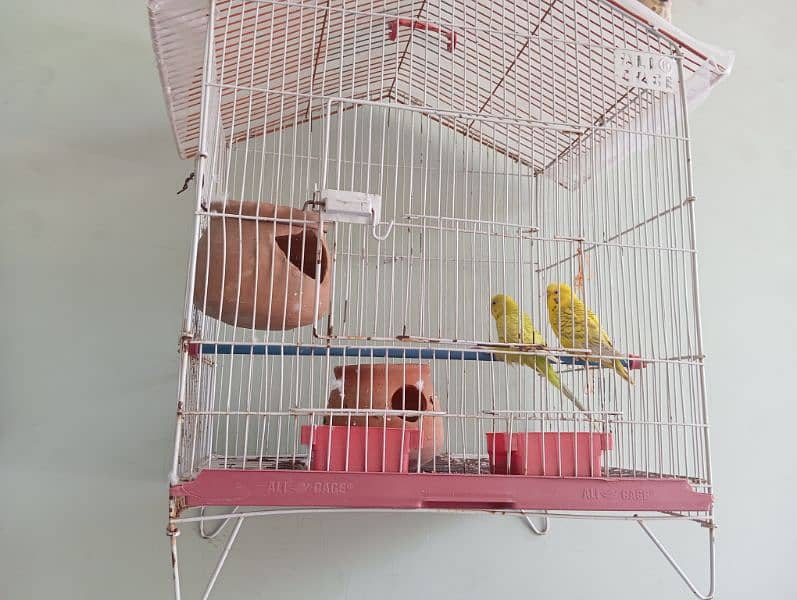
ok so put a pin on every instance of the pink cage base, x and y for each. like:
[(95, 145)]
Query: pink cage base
[(288, 488)]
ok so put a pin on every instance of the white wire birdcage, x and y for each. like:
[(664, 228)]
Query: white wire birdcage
[(369, 175)]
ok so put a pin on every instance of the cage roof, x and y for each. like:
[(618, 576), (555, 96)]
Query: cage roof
[(491, 69)]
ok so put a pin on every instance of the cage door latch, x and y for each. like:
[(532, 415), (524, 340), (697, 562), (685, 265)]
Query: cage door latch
[(343, 206)]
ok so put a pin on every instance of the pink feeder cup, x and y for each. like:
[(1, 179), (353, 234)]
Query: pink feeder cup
[(550, 453), (359, 449)]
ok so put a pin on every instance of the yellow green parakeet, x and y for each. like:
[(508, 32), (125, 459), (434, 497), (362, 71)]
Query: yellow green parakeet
[(578, 327), (507, 322)]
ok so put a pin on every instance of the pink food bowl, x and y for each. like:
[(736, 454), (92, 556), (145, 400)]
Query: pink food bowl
[(359, 448), (550, 453)]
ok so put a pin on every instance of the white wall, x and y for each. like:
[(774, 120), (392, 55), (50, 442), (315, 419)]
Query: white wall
[(93, 246)]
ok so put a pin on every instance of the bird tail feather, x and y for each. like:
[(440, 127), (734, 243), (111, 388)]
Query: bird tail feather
[(553, 377), (572, 397), (619, 364), (622, 371)]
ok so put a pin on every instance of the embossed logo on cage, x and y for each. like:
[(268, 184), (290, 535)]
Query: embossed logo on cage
[(282, 488), (332, 488), (640, 495), (646, 71), (598, 494), (602, 494)]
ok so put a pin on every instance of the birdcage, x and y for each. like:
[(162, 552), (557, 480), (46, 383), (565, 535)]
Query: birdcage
[(372, 179)]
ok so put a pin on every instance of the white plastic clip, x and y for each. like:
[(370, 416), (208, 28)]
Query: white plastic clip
[(345, 206)]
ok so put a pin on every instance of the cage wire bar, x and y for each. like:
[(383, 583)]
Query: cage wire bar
[(368, 176)]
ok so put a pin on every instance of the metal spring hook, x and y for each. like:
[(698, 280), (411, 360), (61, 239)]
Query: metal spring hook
[(375, 225), (544, 529)]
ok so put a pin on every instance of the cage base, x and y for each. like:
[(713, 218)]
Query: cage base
[(288, 488)]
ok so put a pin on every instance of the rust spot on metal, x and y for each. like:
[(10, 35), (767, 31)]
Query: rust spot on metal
[(176, 506)]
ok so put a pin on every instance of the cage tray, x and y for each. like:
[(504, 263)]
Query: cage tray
[(284, 487)]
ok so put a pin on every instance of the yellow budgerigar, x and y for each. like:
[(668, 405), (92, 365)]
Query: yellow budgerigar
[(507, 321), (578, 327)]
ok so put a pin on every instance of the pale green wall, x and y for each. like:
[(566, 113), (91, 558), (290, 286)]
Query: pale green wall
[(93, 245)]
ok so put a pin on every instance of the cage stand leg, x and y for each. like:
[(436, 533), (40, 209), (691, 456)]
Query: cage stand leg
[(223, 558), (173, 532), (543, 529), (674, 564)]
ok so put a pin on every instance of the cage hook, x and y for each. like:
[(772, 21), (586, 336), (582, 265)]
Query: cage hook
[(188, 180), (543, 529), (375, 227)]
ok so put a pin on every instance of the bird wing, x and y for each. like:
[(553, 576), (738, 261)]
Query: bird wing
[(596, 335), (553, 316), (530, 333), (599, 340), (506, 326)]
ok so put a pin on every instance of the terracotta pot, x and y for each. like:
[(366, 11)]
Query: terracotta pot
[(390, 386), (233, 253)]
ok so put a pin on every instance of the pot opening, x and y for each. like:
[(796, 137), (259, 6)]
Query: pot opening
[(300, 249), (408, 397)]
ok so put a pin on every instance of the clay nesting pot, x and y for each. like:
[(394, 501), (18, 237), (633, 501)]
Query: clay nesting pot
[(233, 253), (395, 387)]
